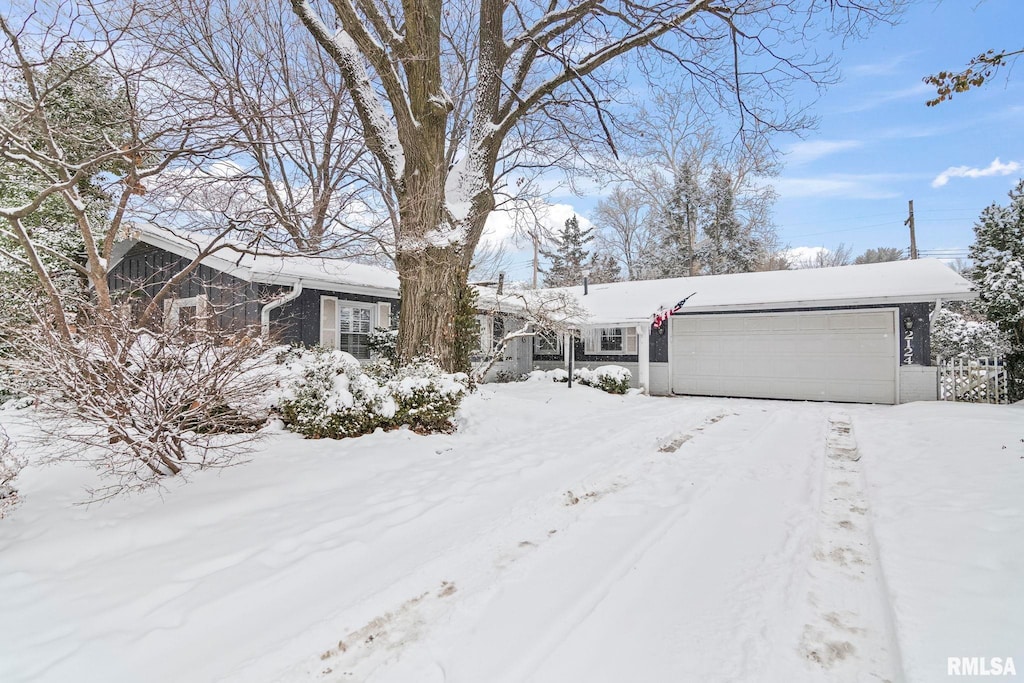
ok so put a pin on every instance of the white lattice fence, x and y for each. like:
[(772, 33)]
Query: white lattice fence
[(977, 380)]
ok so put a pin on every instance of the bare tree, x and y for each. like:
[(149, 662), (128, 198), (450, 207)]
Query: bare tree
[(537, 311), (676, 169), (521, 70), (296, 168), (86, 121), (841, 255), (626, 230), (881, 255), (89, 124)]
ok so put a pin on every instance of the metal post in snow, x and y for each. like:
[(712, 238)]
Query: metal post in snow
[(572, 354)]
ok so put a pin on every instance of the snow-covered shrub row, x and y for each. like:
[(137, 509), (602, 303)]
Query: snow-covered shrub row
[(10, 464), (556, 375), (330, 395), (611, 378), (957, 336)]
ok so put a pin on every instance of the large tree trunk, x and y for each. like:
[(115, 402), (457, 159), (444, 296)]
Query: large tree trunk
[(433, 285)]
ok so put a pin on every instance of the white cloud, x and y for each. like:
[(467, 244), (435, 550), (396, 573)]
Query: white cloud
[(511, 226), (839, 186), (995, 168), (878, 68), (799, 257), (870, 101), (811, 150)]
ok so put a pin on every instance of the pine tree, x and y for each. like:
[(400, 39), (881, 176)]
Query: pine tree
[(998, 256), (727, 247), (676, 244), (86, 111), (569, 259), (604, 268)]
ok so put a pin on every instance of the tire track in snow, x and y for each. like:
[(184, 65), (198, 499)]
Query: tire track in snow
[(497, 547), (847, 632), (529, 630)]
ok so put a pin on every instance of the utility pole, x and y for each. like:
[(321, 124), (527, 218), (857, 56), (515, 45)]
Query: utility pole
[(913, 238), (536, 256)]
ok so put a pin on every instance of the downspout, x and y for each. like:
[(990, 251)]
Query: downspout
[(277, 303), (935, 313)]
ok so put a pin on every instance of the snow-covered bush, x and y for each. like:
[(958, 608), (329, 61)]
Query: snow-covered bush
[(142, 404), (611, 378), (383, 344), (426, 396), (955, 335), (10, 464), (509, 376), (614, 379), (331, 396)]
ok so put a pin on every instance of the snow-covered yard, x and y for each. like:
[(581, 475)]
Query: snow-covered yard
[(560, 535)]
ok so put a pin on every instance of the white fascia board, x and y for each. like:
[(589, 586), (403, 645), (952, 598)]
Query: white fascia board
[(326, 285), (191, 252), (794, 306), (248, 275), (833, 303)]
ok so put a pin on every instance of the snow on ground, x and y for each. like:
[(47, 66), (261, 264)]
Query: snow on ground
[(560, 535), (946, 483)]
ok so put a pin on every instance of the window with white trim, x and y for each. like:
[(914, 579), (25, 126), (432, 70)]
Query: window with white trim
[(355, 320), (188, 315), (611, 341), (492, 331), (547, 343), (346, 325)]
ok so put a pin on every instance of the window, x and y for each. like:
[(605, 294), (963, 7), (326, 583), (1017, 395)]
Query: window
[(187, 315), (547, 343), (611, 341), (492, 331), (497, 331), (354, 324), (346, 325)]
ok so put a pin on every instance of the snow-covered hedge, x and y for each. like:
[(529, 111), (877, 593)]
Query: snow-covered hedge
[(328, 394), (614, 379), (611, 378), (957, 336)]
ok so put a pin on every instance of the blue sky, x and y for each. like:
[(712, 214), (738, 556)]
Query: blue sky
[(877, 145)]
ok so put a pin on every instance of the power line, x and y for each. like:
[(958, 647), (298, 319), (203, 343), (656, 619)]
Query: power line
[(830, 232)]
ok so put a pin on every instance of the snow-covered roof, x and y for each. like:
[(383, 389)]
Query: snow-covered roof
[(877, 283), (316, 272)]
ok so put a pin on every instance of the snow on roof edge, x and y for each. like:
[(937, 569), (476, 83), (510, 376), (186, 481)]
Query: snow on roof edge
[(922, 280), (273, 268)]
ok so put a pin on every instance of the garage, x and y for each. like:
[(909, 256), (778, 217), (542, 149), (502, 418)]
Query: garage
[(848, 355), (857, 334)]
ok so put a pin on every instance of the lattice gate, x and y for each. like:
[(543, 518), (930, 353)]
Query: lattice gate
[(976, 380)]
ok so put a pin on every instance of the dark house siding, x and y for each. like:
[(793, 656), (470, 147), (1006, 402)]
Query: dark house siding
[(236, 303), (145, 269), (920, 337), (298, 321)]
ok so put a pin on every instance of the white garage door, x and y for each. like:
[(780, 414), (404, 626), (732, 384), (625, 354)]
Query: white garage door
[(818, 356)]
